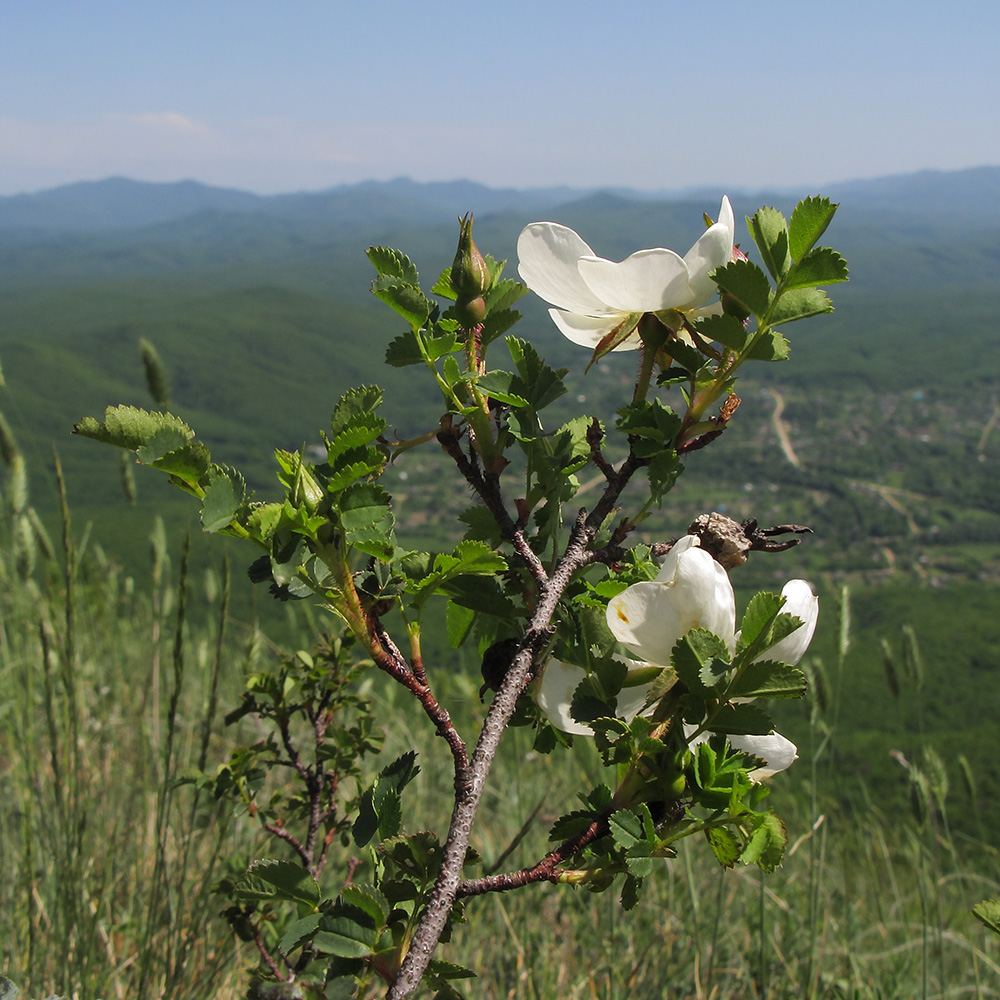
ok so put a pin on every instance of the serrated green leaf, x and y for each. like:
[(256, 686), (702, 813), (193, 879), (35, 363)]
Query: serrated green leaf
[(406, 300), (263, 519), (724, 845), (438, 345), (393, 264), (458, 623), (358, 401), (496, 324), (129, 427), (186, 466), (741, 720), (540, 384), (725, 330), (772, 346), (452, 373), (626, 828), (343, 934), (799, 303), (639, 866), (747, 282), (267, 879), (821, 266), (443, 287), (631, 891), (760, 613), (768, 679), (770, 232), (988, 912), (225, 494), (700, 659), (766, 844), (299, 932), (403, 351), (498, 385), (367, 519), (810, 218), (449, 970)]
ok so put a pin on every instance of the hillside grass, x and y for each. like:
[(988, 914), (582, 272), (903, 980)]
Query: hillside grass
[(109, 692)]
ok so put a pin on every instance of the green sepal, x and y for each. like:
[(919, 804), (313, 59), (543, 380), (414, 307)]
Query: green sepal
[(770, 232)]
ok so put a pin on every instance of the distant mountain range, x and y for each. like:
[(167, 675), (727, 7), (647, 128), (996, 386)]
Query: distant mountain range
[(119, 203)]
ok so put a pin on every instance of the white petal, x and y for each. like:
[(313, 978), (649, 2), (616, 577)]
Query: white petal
[(778, 752), (643, 619), (547, 257), (589, 331), (690, 591), (804, 604), (714, 249), (631, 700), (555, 694), (645, 282), (703, 593), (727, 218)]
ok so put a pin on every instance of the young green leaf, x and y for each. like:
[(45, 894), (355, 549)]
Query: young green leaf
[(766, 843), (747, 282), (809, 221), (225, 494), (392, 264), (821, 266), (768, 679), (129, 427), (724, 845), (798, 303), (770, 232), (742, 720), (407, 300)]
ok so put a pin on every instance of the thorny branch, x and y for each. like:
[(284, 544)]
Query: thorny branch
[(470, 784)]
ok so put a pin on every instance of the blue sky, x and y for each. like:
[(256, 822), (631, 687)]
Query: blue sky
[(275, 97)]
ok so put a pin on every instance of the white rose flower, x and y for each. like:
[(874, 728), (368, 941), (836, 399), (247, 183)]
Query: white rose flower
[(593, 295), (690, 591)]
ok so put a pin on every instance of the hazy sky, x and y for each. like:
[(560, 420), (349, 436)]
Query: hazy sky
[(653, 94)]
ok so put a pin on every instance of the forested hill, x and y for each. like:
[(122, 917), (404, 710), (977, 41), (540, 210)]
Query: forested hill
[(260, 308)]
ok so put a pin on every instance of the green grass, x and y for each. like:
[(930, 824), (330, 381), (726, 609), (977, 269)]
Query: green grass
[(107, 866)]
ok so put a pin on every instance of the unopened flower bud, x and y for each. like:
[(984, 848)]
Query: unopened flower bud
[(470, 275)]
